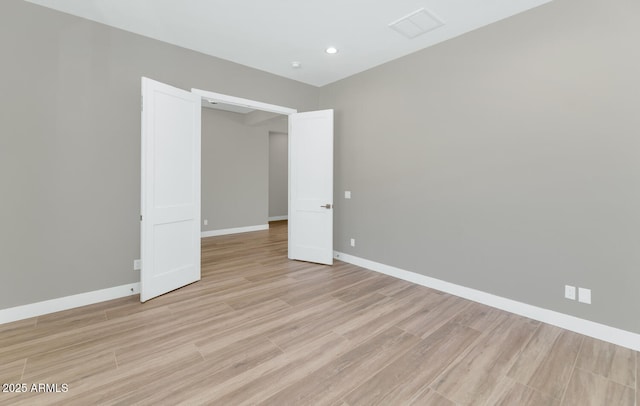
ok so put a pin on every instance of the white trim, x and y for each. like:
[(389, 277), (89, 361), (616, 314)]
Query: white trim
[(238, 101), (237, 230), (586, 327), (279, 218), (67, 302)]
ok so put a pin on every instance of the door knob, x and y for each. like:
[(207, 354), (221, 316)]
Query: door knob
[(326, 206)]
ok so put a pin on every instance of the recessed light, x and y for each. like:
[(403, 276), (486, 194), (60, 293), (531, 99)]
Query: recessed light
[(331, 50), (296, 65)]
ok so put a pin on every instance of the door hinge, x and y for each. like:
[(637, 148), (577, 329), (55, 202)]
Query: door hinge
[(141, 103), (141, 217)]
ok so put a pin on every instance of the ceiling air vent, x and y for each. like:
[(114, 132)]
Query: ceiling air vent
[(416, 23)]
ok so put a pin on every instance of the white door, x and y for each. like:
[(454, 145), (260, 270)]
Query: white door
[(311, 186), (170, 221)]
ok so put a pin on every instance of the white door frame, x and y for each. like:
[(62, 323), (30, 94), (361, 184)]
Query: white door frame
[(252, 104), (238, 101), (255, 105)]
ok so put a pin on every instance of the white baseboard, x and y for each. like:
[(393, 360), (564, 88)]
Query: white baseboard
[(67, 302), (278, 218), (586, 327), (237, 230)]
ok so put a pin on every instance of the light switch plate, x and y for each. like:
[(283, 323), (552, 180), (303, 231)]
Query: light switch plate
[(137, 264), (584, 295), (570, 292), (347, 194)]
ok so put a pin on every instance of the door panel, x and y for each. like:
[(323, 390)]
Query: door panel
[(311, 186), (170, 227)]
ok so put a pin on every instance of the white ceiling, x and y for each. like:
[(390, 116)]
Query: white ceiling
[(270, 34)]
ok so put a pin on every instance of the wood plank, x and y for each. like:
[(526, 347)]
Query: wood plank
[(589, 389), (365, 286), (215, 372), (136, 383), (72, 318), (20, 325), (11, 372), (430, 398), (262, 326), (293, 335), (403, 380), (267, 379), (389, 314), (547, 361), (331, 382), (608, 360), (480, 317), (16, 349), (471, 379), (435, 315), (510, 393), (157, 340)]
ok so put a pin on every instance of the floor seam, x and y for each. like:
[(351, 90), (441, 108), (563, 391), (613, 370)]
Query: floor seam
[(573, 371), (24, 368)]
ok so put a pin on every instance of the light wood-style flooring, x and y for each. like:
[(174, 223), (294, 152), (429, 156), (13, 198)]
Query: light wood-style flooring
[(259, 329)]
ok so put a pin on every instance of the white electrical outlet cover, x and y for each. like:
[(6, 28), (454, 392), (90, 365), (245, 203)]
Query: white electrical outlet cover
[(353, 242), (570, 292), (584, 295)]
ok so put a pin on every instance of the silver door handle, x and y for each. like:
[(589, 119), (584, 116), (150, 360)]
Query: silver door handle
[(326, 206)]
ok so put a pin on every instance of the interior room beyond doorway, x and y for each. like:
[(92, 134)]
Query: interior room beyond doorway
[(239, 187)]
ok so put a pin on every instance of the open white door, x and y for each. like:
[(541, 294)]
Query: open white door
[(311, 186), (170, 221)]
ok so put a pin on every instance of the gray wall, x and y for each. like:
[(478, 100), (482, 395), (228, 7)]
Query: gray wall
[(278, 174), (70, 144), (235, 169), (505, 160)]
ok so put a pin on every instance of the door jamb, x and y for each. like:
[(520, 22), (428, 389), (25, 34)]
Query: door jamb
[(252, 104), (238, 101)]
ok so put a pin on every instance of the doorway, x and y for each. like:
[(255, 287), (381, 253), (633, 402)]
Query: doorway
[(237, 171), (171, 165)]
